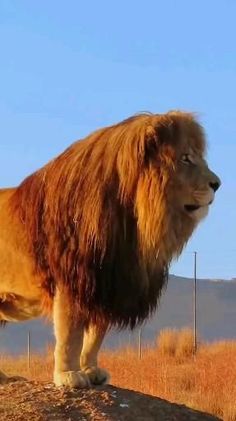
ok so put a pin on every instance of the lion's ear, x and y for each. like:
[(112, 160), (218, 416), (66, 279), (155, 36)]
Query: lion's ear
[(159, 141), (151, 144)]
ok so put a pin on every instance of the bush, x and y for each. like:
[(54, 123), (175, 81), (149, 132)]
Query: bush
[(185, 343), (166, 342)]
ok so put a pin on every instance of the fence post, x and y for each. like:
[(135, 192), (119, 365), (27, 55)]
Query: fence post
[(140, 343), (195, 305), (29, 349)]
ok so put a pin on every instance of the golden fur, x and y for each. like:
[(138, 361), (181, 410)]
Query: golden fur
[(101, 222)]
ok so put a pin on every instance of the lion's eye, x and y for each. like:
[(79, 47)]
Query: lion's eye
[(186, 159)]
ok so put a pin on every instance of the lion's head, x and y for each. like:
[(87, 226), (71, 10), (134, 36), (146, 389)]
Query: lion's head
[(192, 184), (165, 174), (107, 216)]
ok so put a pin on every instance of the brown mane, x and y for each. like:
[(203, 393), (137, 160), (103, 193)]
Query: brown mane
[(98, 220)]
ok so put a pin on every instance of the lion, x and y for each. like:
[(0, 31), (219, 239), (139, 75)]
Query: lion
[(88, 239)]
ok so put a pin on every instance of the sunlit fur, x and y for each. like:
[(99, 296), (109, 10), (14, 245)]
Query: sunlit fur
[(100, 220)]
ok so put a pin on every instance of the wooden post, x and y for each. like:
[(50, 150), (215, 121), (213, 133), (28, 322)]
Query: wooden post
[(140, 343), (195, 304), (29, 349)]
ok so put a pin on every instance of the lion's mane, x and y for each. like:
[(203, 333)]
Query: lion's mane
[(98, 223)]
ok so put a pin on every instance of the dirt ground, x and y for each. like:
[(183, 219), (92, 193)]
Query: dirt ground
[(34, 401)]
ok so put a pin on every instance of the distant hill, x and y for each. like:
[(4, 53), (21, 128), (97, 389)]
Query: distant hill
[(216, 317)]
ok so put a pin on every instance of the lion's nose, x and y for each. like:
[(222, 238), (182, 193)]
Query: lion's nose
[(215, 185)]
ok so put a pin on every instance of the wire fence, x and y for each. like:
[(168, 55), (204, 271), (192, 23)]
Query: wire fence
[(208, 308)]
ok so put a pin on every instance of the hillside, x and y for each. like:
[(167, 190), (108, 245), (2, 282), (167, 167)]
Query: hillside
[(43, 402)]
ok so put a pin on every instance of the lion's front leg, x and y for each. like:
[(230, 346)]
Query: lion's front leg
[(69, 341), (93, 337)]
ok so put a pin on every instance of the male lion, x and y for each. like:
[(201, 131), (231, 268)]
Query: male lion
[(89, 237)]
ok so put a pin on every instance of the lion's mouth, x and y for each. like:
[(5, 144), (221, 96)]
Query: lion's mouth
[(192, 208)]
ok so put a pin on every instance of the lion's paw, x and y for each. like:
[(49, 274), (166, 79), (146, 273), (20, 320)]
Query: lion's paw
[(73, 379), (97, 376)]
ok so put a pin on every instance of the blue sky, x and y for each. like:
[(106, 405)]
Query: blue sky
[(68, 68)]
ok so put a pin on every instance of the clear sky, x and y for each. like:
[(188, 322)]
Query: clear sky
[(68, 68)]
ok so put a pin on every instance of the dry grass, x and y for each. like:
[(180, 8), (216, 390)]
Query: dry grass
[(166, 342), (174, 343), (185, 344), (169, 370)]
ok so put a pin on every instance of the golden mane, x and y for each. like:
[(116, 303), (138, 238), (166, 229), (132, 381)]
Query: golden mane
[(98, 219)]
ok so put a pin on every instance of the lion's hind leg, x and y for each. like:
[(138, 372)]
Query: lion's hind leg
[(93, 337)]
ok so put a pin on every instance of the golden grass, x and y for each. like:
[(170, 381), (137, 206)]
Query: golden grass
[(166, 342), (205, 381), (176, 343)]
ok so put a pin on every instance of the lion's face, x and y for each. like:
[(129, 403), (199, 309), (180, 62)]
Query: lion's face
[(193, 189), (193, 186)]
